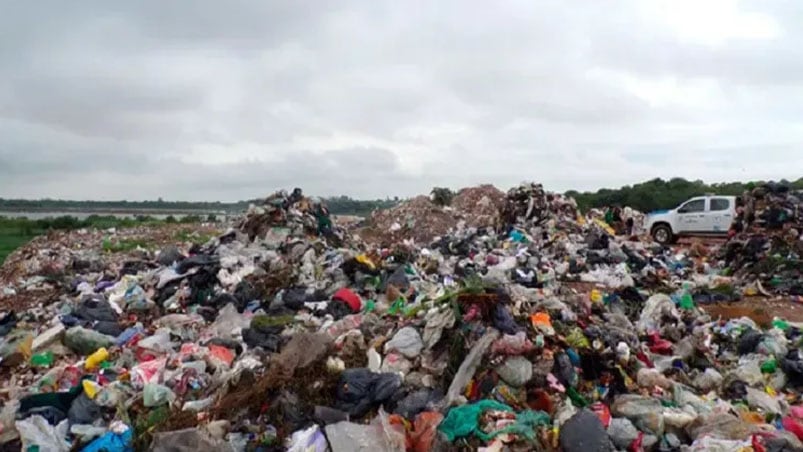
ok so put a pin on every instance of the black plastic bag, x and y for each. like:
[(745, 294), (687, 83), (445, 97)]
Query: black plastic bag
[(584, 432), (360, 390)]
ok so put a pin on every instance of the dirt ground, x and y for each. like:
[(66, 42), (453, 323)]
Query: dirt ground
[(760, 309)]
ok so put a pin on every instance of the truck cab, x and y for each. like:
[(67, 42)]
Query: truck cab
[(703, 215)]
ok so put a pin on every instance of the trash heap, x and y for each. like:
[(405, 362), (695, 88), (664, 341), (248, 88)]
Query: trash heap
[(544, 333), (765, 252), (294, 211)]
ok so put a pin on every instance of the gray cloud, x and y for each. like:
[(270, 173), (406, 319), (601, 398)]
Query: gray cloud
[(212, 101)]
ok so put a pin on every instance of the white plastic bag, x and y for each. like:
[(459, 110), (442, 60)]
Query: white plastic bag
[(406, 341), (35, 431)]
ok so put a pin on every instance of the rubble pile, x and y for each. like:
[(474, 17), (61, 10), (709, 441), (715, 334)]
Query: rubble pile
[(541, 332)]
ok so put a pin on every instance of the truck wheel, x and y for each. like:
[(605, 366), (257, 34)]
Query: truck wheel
[(662, 234)]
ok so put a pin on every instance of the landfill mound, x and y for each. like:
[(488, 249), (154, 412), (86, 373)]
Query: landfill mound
[(765, 249), (524, 326), (479, 205), (418, 219)]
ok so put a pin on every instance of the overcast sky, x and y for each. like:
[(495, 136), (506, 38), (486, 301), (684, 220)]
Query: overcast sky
[(211, 100)]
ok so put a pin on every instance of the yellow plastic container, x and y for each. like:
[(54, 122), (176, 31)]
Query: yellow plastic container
[(94, 360)]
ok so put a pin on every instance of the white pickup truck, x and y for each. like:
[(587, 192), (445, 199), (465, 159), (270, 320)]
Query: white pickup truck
[(703, 215)]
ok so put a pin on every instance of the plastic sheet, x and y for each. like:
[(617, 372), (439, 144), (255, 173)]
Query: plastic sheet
[(469, 366)]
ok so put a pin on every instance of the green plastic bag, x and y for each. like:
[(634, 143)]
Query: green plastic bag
[(464, 420)]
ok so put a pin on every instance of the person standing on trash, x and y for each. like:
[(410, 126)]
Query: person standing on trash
[(609, 215), (321, 213), (627, 215)]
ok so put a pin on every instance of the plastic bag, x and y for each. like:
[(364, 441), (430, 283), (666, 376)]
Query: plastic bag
[(622, 432), (763, 401), (309, 440), (417, 402), (584, 432), (85, 342), (406, 341), (748, 370), (512, 344), (649, 378), (36, 432), (379, 435), (720, 425), (425, 428), (516, 371), (229, 322), (8, 416), (118, 439), (155, 395), (656, 307), (187, 440), (464, 420), (436, 323), (708, 380), (360, 389), (83, 410), (645, 412), (159, 342), (469, 366)]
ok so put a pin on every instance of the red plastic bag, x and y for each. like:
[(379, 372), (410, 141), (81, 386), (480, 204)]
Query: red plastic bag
[(348, 297), (425, 428), (603, 413), (221, 353), (793, 425)]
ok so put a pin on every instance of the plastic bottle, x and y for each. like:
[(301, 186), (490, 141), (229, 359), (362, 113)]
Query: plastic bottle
[(93, 360), (42, 359), (127, 335)]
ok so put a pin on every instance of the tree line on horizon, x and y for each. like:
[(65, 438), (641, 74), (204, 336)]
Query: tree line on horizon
[(647, 196), (659, 194)]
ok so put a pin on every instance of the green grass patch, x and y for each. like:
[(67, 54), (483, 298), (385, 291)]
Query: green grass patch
[(195, 237), (15, 232), (124, 245), (12, 238)]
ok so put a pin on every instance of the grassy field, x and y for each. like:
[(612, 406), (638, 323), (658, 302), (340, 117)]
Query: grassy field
[(11, 239), (15, 232)]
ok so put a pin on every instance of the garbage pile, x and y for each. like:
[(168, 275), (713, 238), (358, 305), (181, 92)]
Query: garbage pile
[(530, 203), (544, 333), (294, 211), (765, 251)]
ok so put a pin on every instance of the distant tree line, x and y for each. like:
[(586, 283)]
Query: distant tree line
[(659, 194), (60, 204), (343, 205), (646, 196), (339, 205)]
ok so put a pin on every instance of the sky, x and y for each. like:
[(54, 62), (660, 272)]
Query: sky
[(210, 100)]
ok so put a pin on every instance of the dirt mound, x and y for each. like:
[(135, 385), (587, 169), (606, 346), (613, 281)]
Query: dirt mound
[(418, 219), (479, 205)]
